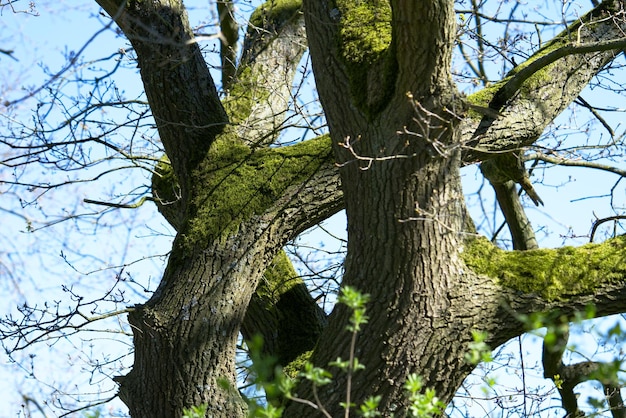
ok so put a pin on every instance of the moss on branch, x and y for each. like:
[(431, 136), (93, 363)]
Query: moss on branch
[(365, 44), (554, 274), (275, 12), (167, 194), (296, 366), (243, 95), (259, 96), (235, 183), (538, 71), (278, 279), (283, 313)]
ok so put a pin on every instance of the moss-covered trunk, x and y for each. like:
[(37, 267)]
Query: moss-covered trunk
[(399, 131), (234, 203)]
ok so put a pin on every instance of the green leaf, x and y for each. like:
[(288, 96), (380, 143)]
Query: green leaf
[(317, 375)]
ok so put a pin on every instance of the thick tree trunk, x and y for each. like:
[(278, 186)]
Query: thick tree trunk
[(185, 336), (382, 70), (233, 201), (407, 260), (405, 211)]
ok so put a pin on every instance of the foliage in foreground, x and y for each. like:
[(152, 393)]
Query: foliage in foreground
[(423, 401)]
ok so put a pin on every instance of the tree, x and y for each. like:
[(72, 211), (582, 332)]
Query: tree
[(399, 131)]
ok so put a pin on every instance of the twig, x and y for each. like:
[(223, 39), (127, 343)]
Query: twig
[(599, 222)]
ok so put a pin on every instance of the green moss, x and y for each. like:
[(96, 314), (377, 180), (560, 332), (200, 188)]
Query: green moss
[(549, 47), (243, 95), (164, 179), (297, 365), (245, 92), (365, 40), (365, 30), (505, 89), (279, 278), (483, 97), (542, 76), (166, 193), (239, 183), (554, 274), (275, 12)]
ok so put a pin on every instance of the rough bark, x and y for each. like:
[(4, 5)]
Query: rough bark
[(404, 207), (185, 335), (274, 44), (228, 230), (281, 311), (403, 199), (182, 95), (399, 131)]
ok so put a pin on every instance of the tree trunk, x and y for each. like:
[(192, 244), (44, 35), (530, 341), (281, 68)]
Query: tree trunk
[(399, 166), (185, 337), (399, 132), (404, 207), (407, 260)]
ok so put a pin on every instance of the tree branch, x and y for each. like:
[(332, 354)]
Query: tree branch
[(424, 63), (229, 35), (519, 225), (503, 171), (536, 91), (176, 79), (567, 376), (322, 34), (275, 42), (283, 312), (565, 279), (558, 160)]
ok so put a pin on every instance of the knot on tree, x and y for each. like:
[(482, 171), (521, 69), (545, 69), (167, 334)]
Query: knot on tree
[(510, 167)]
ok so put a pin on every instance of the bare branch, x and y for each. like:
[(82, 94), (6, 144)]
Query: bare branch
[(567, 376), (49, 323), (72, 62), (599, 222), (567, 162), (229, 35)]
